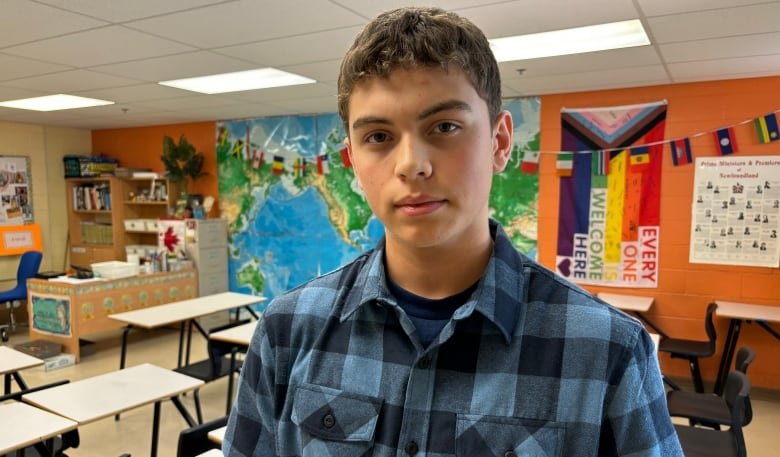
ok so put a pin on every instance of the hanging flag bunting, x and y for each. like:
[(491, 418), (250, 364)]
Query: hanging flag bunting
[(247, 147), (299, 167), (258, 158), (278, 166), (564, 163), (681, 151), (599, 163), (238, 148), (322, 164), (725, 140), (640, 158), (530, 162), (345, 157), (766, 127)]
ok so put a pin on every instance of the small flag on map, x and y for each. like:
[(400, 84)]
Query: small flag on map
[(238, 147), (564, 163), (725, 141), (530, 162), (345, 157), (766, 127), (278, 166), (299, 167), (681, 151), (322, 164), (639, 158), (258, 158), (599, 163)]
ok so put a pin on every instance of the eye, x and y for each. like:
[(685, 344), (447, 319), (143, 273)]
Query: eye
[(446, 127), (377, 137)]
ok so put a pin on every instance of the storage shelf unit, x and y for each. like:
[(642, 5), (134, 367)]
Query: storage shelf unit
[(94, 220), (145, 199)]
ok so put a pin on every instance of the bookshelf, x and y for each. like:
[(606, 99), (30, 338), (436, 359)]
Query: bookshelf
[(143, 202), (94, 219)]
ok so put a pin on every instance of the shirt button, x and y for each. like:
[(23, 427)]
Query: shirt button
[(424, 363), (510, 454), (411, 448), (328, 421)]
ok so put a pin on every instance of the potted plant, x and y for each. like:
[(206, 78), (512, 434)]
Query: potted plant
[(182, 162)]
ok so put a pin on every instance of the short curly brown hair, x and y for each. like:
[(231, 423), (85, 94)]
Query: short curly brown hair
[(420, 37)]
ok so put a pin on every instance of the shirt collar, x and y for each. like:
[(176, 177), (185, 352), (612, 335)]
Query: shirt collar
[(500, 295)]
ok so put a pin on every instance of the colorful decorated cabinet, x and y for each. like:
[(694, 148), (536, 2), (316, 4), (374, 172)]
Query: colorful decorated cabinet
[(63, 312)]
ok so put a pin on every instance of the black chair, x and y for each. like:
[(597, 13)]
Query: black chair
[(194, 441), (221, 362), (692, 350), (710, 410), (705, 442)]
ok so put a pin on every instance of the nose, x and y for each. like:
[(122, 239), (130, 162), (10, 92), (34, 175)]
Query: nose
[(413, 160)]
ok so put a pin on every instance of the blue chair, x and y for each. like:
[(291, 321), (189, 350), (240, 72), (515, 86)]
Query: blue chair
[(13, 298)]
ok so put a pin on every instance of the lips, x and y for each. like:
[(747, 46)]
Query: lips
[(419, 205)]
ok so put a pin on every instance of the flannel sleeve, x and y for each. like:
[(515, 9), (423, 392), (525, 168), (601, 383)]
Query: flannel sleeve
[(637, 421), (251, 424)]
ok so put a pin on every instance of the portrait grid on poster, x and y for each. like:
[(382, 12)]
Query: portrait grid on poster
[(736, 211)]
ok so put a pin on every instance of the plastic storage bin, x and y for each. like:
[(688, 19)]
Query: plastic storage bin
[(114, 269)]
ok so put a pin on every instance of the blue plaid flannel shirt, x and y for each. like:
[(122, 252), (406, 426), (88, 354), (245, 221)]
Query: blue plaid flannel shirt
[(530, 365)]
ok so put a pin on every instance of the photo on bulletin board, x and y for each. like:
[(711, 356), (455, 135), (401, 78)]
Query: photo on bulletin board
[(15, 191), (736, 211)]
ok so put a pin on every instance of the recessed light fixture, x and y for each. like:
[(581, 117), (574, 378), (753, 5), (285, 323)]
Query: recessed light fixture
[(54, 102), (600, 37), (262, 78)]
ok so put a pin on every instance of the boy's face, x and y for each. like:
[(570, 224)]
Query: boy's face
[(424, 152)]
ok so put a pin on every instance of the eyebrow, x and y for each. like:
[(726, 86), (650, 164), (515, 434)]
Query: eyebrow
[(437, 108)]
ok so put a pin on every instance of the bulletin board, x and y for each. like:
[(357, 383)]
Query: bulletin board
[(15, 191), (736, 211)]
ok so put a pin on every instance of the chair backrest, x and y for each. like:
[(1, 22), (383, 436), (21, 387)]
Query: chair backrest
[(709, 325), (737, 394), (194, 441), (744, 358), (28, 268), (219, 349)]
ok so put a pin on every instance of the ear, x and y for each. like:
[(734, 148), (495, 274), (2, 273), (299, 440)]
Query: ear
[(348, 145), (502, 141)]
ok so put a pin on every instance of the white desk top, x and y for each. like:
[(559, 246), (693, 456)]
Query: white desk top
[(171, 313), (22, 425), (656, 339), (101, 396), (12, 360), (747, 311), (218, 435), (627, 302), (212, 453), (240, 334)]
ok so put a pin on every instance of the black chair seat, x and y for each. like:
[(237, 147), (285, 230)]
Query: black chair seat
[(203, 369), (703, 442), (685, 348), (699, 407)]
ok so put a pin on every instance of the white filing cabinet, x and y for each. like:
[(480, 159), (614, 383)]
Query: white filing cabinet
[(207, 244)]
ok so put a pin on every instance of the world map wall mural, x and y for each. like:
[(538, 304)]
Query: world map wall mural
[(295, 210)]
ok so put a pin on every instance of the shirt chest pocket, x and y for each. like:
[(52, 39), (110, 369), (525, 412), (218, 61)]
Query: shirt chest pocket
[(488, 436), (334, 422)]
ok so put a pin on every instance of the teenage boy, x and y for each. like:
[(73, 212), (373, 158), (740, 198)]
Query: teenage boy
[(443, 340)]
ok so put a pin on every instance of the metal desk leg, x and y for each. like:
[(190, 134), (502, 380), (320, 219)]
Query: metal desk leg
[(183, 411), (726, 357), (155, 428), (7, 383), (181, 343), (123, 354)]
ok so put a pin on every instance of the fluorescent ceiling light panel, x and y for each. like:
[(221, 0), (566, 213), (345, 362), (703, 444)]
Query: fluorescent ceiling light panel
[(614, 35), (241, 80), (54, 103)]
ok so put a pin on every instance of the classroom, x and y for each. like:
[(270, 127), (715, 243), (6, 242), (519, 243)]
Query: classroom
[(147, 227)]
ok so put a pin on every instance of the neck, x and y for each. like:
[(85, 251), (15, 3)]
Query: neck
[(440, 271)]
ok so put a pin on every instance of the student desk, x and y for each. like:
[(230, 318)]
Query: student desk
[(105, 395), (635, 304), (63, 312), (11, 361), (184, 312), (22, 425), (241, 335), (738, 312), (218, 435)]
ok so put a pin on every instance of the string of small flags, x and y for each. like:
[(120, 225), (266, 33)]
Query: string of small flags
[(766, 127)]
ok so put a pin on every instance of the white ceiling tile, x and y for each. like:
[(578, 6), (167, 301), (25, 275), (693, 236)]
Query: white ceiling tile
[(313, 105), (327, 71), (22, 21), (137, 93), (15, 93), (235, 112), (190, 102), (120, 11), (304, 91), (190, 64), (664, 7), (70, 81), (591, 61), (311, 47), (744, 20), (726, 68), (370, 9), (100, 46), (247, 21), (722, 48), (590, 80), (12, 67)]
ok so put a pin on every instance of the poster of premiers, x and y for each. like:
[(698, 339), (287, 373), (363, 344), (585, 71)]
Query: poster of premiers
[(736, 211)]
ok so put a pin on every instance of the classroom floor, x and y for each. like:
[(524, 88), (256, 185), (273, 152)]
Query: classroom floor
[(132, 434)]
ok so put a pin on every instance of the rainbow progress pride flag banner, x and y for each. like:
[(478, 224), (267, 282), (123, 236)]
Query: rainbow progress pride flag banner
[(608, 224)]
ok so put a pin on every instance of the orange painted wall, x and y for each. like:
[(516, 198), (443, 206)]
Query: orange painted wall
[(141, 147), (684, 289)]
